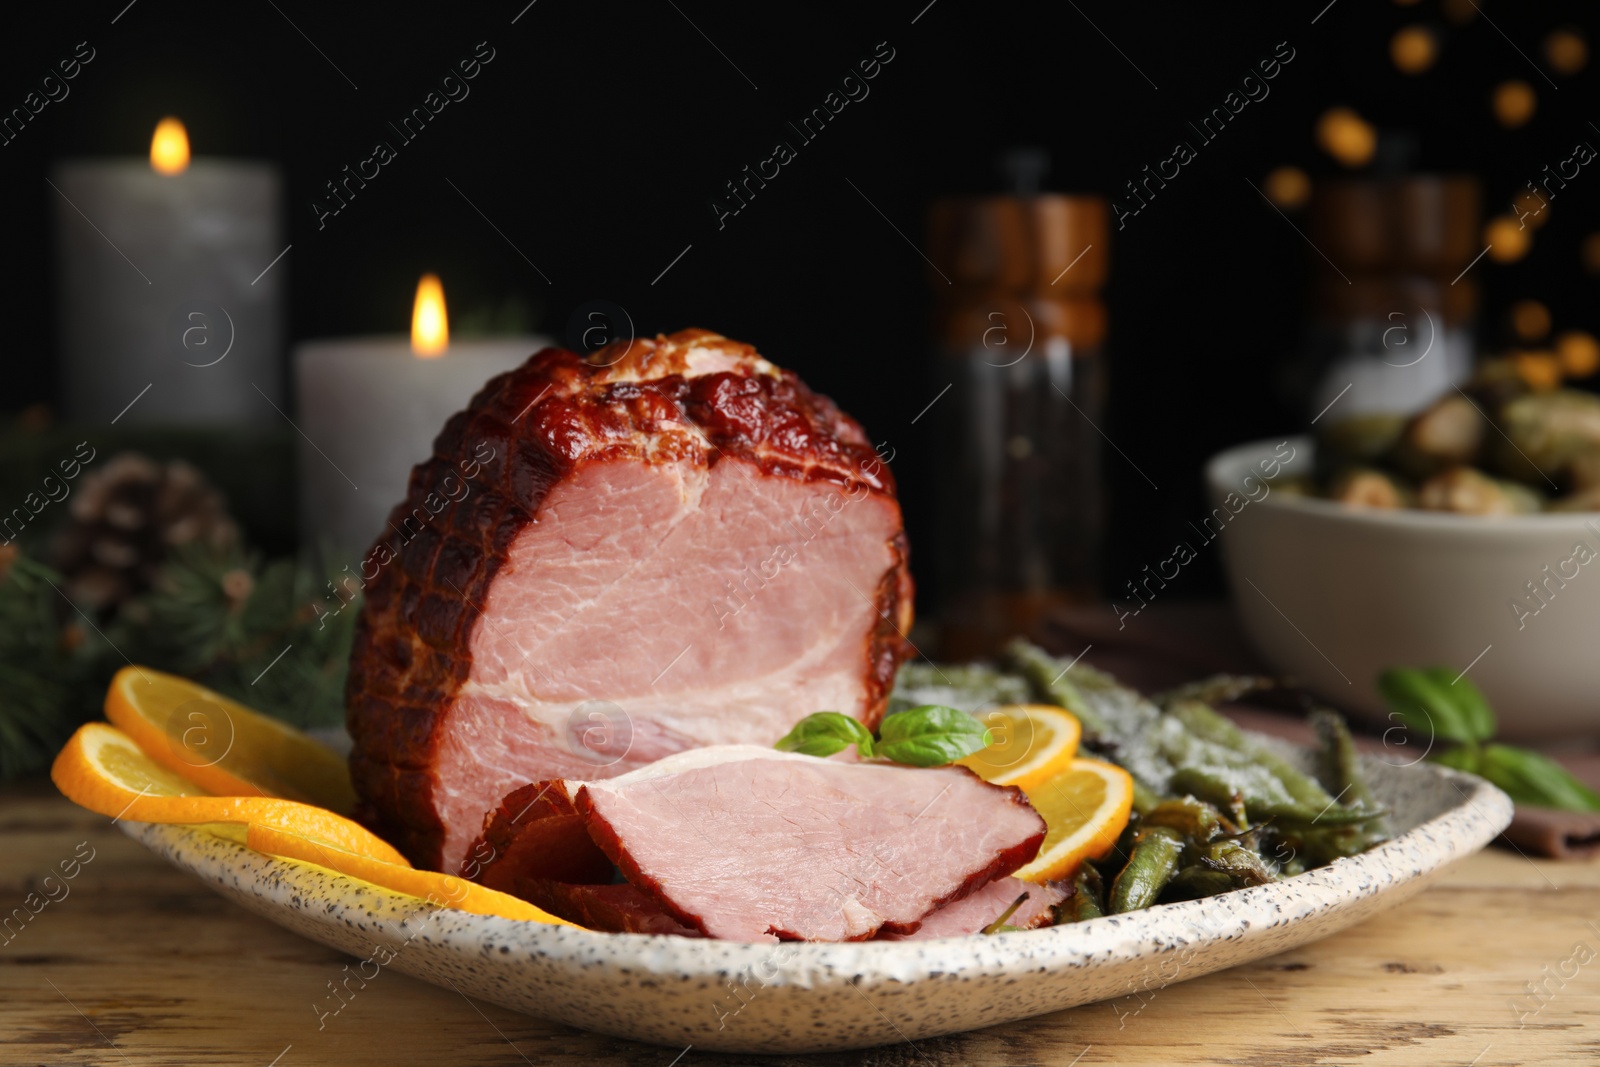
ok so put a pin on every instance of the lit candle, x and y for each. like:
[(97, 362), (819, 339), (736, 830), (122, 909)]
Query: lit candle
[(369, 409), (165, 312)]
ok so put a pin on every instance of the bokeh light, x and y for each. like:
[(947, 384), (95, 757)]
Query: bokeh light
[(1530, 320), (1532, 208), (1288, 187), (1579, 353), (1508, 241), (1413, 49), (1346, 136), (1541, 370), (1589, 252), (1514, 103), (1566, 50)]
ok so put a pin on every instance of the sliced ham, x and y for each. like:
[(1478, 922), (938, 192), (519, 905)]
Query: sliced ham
[(750, 844), (983, 906), (669, 544)]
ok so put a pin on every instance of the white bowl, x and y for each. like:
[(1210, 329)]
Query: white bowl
[(1331, 595), (798, 997)]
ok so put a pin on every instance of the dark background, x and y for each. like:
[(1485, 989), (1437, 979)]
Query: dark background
[(598, 135)]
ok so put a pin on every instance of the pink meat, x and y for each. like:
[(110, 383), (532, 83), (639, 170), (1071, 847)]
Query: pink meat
[(671, 544), (978, 909), (749, 844)]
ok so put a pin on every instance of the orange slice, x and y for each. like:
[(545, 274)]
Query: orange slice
[(221, 745), (1033, 742), (1085, 809), (102, 769), (440, 890)]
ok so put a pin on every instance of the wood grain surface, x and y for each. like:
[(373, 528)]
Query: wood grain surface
[(136, 963)]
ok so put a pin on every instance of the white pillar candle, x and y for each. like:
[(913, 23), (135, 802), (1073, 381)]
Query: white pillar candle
[(160, 285), (368, 410)]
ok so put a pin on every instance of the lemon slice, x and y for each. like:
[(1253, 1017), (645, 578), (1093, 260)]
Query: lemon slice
[(1085, 810), (1033, 742)]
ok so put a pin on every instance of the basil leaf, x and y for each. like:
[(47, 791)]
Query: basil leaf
[(1423, 705), (931, 736), (1467, 758), (1529, 778), (823, 733), (1468, 699)]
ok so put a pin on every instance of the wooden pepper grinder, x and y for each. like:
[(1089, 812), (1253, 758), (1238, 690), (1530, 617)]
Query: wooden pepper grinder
[(1019, 328)]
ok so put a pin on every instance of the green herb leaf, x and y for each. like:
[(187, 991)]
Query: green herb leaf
[(1468, 700), (1467, 758), (1529, 778), (931, 736), (823, 733), (1424, 705)]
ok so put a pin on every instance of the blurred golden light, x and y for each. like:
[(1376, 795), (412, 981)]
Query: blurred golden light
[(1507, 240), (1459, 12), (1532, 208), (430, 327), (1346, 136), (1413, 49), (1514, 103), (1590, 252), (169, 148), (1530, 319), (1541, 370), (1567, 51), (1579, 353), (1288, 187)]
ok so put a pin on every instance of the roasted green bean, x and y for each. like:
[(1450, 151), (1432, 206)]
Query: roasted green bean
[(1151, 866)]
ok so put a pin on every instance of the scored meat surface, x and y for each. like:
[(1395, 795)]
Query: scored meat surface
[(750, 844), (669, 544)]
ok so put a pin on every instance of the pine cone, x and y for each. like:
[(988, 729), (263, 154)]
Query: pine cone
[(125, 518)]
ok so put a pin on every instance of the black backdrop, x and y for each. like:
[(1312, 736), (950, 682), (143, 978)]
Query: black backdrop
[(600, 132)]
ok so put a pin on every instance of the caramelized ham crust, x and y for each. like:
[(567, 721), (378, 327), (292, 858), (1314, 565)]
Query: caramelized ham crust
[(673, 543), (750, 844)]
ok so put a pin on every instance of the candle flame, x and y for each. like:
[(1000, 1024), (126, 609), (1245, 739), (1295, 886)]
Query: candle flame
[(169, 148), (430, 327)]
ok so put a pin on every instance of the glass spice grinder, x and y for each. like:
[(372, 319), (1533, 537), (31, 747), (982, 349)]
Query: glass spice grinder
[(1019, 326)]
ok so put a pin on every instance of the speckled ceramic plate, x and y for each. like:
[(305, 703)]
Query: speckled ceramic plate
[(798, 997)]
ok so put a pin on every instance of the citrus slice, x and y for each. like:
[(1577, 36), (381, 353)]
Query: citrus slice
[(1033, 742), (102, 769), (440, 890), (221, 745), (1085, 809)]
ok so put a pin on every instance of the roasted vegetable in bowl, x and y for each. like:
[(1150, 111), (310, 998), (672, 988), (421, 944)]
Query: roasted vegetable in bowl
[(1497, 446)]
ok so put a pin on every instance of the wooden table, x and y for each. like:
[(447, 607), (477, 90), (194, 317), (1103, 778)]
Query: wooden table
[(138, 963)]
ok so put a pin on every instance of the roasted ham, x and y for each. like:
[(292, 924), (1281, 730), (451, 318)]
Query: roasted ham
[(751, 844), (669, 544)]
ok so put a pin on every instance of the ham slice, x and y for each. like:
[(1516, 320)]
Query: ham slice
[(669, 544), (973, 912), (750, 844)]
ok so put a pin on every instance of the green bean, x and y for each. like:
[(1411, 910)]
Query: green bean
[(1241, 864), (1196, 820), (1048, 676), (1196, 881), (970, 688), (1218, 689), (1088, 892), (1151, 866), (1205, 722), (1341, 764)]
